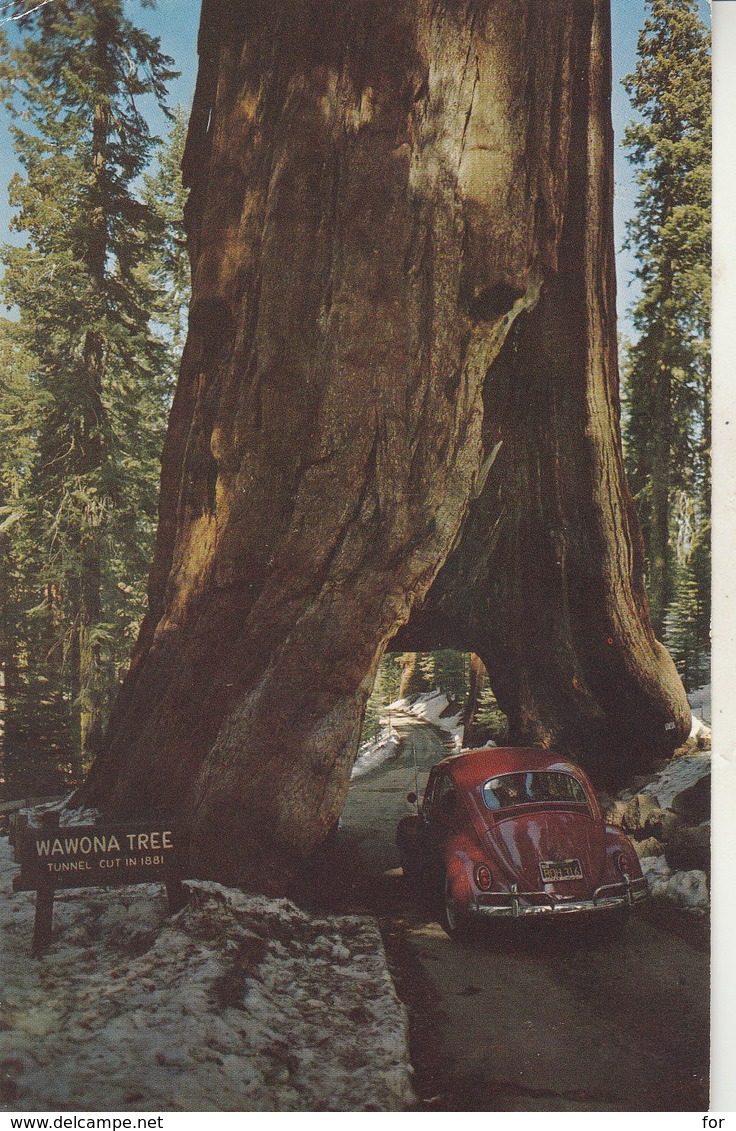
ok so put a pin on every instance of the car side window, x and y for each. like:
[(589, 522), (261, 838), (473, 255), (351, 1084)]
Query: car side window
[(428, 796), (443, 801)]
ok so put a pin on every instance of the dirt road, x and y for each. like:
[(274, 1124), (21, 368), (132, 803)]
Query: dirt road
[(523, 1018)]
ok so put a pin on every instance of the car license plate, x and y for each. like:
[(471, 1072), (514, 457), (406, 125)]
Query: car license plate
[(555, 870)]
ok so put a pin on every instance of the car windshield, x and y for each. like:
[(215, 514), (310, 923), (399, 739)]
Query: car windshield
[(532, 787)]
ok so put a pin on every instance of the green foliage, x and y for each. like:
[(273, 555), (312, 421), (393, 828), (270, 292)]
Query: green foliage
[(88, 367), (685, 622), (489, 723), (35, 738), (385, 691), (666, 370), (167, 268), (445, 670)]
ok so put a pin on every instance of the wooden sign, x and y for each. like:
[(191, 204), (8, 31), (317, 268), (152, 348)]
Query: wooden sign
[(53, 857)]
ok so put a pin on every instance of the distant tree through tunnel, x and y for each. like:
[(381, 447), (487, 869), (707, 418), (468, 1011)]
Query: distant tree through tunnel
[(458, 678), (397, 418)]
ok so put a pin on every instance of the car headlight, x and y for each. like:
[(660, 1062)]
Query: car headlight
[(483, 877), (624, 863)]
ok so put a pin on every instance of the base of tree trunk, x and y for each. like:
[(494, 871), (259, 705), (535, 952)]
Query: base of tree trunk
[(397, 410)]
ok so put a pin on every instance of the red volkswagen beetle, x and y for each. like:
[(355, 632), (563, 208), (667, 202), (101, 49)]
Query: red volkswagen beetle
[(510, 832)]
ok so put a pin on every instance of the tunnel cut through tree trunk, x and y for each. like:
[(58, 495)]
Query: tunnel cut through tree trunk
[(397, 409)]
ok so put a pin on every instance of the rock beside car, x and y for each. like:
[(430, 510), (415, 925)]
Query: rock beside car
[(688, 848), (693, 803), (667, 820), (686, 889)]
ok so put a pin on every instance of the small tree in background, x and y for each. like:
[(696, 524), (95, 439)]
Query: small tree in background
[(35, 736), (445, 670), (167, 267), (666, 370), (100, 352), (385, 691)]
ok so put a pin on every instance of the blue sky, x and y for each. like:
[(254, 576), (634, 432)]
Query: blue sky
[(627, 18), (176, 23)]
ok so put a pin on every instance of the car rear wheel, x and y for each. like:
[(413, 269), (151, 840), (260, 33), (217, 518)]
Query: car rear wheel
[(454, 918)]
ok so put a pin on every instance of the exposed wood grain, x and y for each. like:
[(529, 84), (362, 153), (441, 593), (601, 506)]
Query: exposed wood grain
[(400, 228)]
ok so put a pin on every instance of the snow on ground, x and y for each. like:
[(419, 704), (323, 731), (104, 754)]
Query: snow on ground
[(700, 732), (688, 890), (428, 708), (375, 752), (237, 1003), (68, 814), (700, 703), (678, 775)]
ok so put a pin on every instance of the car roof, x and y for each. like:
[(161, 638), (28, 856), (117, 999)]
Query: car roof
[(473, 767)]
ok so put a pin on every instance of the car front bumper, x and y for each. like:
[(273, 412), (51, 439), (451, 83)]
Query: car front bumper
[(518, 904)]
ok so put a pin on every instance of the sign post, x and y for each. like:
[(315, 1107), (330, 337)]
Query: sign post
[(53, 857)]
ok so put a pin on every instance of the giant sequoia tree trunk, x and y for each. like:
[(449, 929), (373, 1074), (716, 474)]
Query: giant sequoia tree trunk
[(400, 226)]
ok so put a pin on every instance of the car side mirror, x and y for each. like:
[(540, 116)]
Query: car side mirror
[(411, 798)]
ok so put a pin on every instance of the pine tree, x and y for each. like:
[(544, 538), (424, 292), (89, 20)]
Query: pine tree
[(666, 370), (682, 627), (73, 81), (167, 269), (36, 744), (385, 691), (413, 677), (412, 673)]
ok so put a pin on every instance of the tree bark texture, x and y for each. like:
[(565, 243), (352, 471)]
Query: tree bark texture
[(400, 228), (408, 673), (477, 681)]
